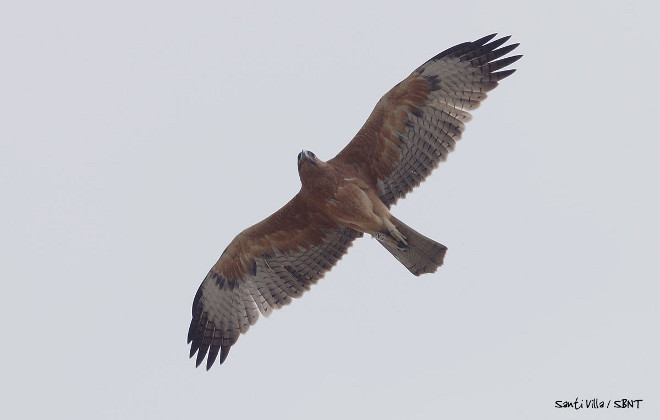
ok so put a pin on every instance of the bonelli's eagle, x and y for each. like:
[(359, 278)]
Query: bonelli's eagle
[(411, 130)]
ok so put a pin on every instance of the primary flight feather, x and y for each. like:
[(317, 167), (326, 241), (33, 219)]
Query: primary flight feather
[(411, 130)]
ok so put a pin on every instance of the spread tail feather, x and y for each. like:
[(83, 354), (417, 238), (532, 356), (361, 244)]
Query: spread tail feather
[(421, 255)]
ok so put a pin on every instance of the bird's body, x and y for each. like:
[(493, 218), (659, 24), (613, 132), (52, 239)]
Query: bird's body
[(411, 130), (339, 193)]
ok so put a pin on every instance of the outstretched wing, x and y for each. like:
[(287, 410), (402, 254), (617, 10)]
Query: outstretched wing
[(262, 269), (416, 124)]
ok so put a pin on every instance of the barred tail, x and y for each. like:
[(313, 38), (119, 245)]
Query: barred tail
[(422, 255)]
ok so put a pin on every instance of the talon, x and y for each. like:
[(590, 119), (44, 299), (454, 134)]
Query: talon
[(399, 237), (397, 240)]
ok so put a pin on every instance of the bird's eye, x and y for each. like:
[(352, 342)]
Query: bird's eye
[(312, 155)]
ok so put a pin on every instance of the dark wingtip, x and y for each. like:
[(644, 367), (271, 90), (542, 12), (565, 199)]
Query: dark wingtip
[(483, 40), (224, 353), (503, 74), (193, 349), (466, 47), (213, 353), (514, 58), (200, 355), (500, 64), (191, 330), (494, 44)]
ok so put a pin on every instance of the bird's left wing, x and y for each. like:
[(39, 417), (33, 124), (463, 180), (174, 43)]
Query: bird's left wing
[(416, 124), (262, 269)]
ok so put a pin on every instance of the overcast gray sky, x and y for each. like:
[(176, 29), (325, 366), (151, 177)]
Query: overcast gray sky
[(138, 138)]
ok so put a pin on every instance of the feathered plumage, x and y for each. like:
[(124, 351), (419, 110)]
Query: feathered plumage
[(411, 130)]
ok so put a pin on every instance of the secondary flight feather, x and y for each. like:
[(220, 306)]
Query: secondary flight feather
[(411, 130)]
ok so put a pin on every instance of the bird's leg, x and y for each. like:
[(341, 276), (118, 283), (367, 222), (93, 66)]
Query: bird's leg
[(388, 238), (392, 237), (395, 232)]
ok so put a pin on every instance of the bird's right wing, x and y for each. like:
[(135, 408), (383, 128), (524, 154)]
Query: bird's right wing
[(262, 269)]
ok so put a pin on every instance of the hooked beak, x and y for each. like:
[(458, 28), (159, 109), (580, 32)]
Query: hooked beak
[(306, 154)]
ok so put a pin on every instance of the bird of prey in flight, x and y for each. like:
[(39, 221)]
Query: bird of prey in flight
[(411, 130)]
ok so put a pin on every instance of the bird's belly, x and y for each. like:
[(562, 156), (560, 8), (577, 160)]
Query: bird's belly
[(354, 207)]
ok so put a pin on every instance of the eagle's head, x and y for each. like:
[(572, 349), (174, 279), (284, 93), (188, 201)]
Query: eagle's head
[(308, 156)]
